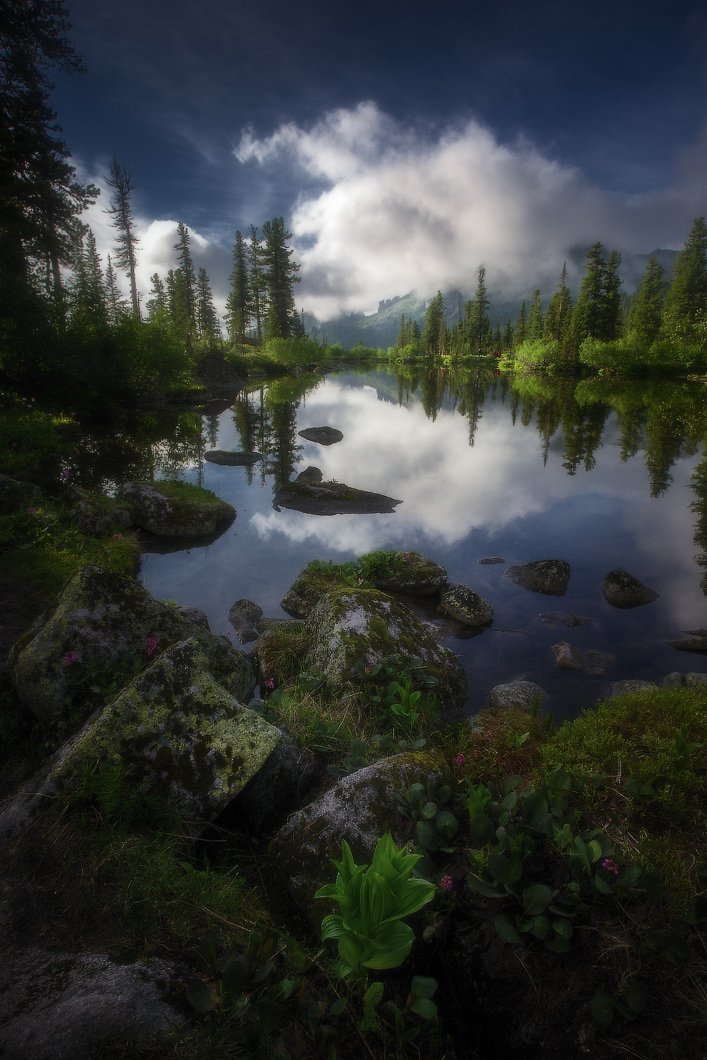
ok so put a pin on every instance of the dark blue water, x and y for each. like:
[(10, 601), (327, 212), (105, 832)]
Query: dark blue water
[(544, 478)]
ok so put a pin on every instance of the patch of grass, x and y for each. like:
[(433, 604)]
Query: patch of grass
[(32, 442)]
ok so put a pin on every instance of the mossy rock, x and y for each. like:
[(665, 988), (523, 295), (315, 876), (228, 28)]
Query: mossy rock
[(94, 513), (105, 626), (407, 573), (354, 629), (171, 508), (358, 808), (310, 585), (466, 606), (551, 577), (621, 589), (332, 498)]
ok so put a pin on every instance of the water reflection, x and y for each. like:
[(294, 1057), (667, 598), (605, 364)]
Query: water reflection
[(601, 474)]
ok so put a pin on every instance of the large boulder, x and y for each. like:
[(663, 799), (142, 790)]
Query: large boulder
[(172, 508), (172, 732), (551, 577), (593, 663), (94, 513), (516, 695), (354, 630), (621, 589), (63, 1006), (358, 808), (408, 573), (466, 606), (103, 628)]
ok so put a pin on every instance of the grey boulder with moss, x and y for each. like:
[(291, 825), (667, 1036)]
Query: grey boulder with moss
[(358, 808), (409, 573), (106, 626), (466, 606), (172, 508), (353, 629), (94, 513), (621, 589), (551, 577)]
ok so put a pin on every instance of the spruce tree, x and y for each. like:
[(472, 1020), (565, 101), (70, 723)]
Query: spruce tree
[(588, 313), (434, 332), (89, 294), (646, 311), (239, 305), (535, 320), (116, 305), (184, 285), (157, 305), (121, 211), (280, 276), (477, 323), (207, 324), (520, 331), (611, 308), (559, 311), (257, 282), (685, 314)]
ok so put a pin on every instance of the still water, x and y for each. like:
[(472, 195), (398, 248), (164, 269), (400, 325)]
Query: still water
[(600, 474)]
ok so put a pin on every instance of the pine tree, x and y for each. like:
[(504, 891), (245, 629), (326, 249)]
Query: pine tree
[(520, 331), (207, 324), (559, 311), (477, 323), (121, 211), (157, 304), (535, 320), (116, 305), (587, 316), (646, 311), (257, 281), (685, 314), (611, 309), (434, 332), (239, 305), (184, 285), (280, 276), (89, 286)]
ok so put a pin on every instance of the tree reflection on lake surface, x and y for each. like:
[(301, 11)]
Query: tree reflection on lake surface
[(603, 474)]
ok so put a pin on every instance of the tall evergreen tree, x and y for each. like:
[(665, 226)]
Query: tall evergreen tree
[(280, 275), (477, 323), (116, 305), (434, 332), (157, 304), (535, 319), (588, 312), (207, 324), (121, 211), (559, 311), (239, 305), (685, 314), (611, 309), (646, 311), (184, 280), (257, 281), (89, 296), (520, 331)]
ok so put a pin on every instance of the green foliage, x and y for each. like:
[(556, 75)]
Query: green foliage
[(374, 901), (430, 807), (292, 351), (538, 355), (32, 442)]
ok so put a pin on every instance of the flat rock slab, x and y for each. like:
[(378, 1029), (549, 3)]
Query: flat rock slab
[(323, 435), (696, 644), (551, 577), (230, 458), (621, 589), (332, 498)]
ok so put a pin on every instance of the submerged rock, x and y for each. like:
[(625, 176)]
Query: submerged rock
[(332, 498), (548, 576), (323, 435), (230, 458), (351, 630), (621, 589), (103, 627), (467, 606), (593, 663), (697, 644), (176, 509)]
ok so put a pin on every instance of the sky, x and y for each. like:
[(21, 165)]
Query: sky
[(405, 144)]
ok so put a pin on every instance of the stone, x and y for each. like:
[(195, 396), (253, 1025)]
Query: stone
[(517, 695), (621, 589), (231, 458), (352, 629), (332, 498), (684, 680), (323, 435), (94, 513), (464, 604), (563, 618), (195, 615), (245, 615), (410, 574), (104, 623), (172, 508), (358, 808), (550, 577), (593, 663), (63, 1006), (696, 644), (311, 475), (490, 561), (618, 688)]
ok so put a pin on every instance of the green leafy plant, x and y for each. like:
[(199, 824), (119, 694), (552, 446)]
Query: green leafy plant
[(430, 807), (373, 901), (403, 707)]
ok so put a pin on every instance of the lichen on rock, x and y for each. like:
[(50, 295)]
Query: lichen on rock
[(172, 508)]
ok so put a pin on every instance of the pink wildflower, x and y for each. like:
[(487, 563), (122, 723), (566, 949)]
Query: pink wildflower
[(610, 866), (446, 883), (460, 759), (70, 658), (228, 634), (65, 474), (152, 643)]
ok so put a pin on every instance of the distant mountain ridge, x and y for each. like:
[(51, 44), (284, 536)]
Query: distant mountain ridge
[(381, 328)]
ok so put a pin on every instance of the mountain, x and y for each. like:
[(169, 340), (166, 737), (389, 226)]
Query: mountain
[(381, 328)]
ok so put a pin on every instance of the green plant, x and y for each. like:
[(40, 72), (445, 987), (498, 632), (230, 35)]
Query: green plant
[(403, 707), (430, 807), (373, 901)]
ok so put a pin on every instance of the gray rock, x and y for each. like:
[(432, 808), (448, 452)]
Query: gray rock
[(231, 458), (332, 498), (278, 787), (550, 577), (106, 624), (410, 574), (311, 475), (489, 561), (323, 435), (564, 618), (466, 606), (351, 629), (686, 680), (519, 695), (621, 589), (94, 513), (358, 808), (176, 509), (245, 615), (618, 688), (60, 1006), (593, 663), (195, 615), (696, 644)]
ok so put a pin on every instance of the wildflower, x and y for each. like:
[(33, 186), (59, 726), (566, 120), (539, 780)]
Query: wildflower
[(71, 657), (228, 635), (460, 759), (446, 883), (65, 474), (610, 866), (152, 643), (269, 684), (117, 537)]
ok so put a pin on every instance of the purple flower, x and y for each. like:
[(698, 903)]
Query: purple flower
[(610, 866), (70, 658), (460, 759), (446, 883), (65, 474), (269, 684), (152, 643)]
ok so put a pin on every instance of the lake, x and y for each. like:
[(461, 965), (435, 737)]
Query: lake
[(601, 474)]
